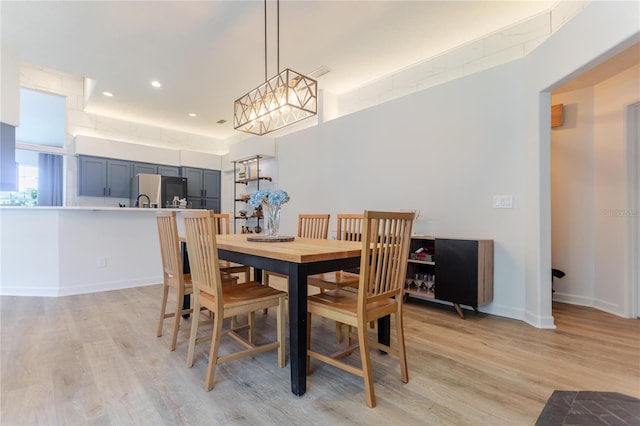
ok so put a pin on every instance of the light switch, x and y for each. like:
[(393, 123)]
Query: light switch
[(503, 201)]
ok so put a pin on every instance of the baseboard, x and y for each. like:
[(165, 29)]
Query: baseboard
[(538, 321), (590, 302), (82, 289)]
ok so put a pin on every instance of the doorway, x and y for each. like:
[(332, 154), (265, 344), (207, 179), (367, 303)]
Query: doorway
[(633, 150), (594, 198)]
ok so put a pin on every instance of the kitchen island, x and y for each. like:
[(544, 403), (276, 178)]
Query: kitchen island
[(59, 251)]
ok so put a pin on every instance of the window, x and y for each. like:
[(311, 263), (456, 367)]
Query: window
[(27, 193), (43, 119), (43, 126)]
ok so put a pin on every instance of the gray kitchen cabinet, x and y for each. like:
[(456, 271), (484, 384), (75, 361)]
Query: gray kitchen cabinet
[(151, 169), (155, 169), (168, 170), (8, 166), (205, 203), (203, 188), (104, 177)]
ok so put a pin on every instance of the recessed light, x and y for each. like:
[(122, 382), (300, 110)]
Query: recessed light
[(108, 94), (193, 114), (156, 83), (221, 121)]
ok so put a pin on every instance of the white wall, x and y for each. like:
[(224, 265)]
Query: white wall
[(445, 151)]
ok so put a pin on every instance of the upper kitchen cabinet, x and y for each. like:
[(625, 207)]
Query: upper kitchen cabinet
[(8, 167), (104, 177), (168, 170), (203, 188), (155, 169), (202, 182)]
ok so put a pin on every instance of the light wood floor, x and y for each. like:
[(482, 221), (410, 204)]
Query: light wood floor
[(95, 359)]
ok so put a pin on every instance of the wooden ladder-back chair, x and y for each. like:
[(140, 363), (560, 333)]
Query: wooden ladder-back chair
[(172, 273), (225, 301), (383, 266), (222, 225), (309, 226), (349, 229)]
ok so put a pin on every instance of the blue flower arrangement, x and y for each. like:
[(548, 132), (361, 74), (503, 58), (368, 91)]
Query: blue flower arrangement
[(274, 197)]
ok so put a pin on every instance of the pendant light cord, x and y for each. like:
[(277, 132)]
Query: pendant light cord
[(265, 40), (278, 35)]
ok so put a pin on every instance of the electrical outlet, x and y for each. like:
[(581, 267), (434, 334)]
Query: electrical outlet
[(101, 262), (503, 201)]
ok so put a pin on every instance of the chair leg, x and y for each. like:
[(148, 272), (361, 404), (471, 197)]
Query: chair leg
[(265, 282), (177, 314), (163, 308), (339, 336), (280, 326), (213, 352), (366, 365), (404, 371), (195, 319), (251, 319)]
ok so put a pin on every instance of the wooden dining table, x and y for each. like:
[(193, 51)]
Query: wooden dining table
[(297, 259)]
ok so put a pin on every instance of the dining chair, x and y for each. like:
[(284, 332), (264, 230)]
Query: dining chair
[(222, 226), (383, 266), (173, 275), (225, 301), (349, 229), (309, 226)]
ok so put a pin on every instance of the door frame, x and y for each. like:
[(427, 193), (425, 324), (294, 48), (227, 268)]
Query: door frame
[(632, 213)]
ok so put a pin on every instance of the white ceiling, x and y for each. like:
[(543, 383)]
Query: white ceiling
[(206, 54)]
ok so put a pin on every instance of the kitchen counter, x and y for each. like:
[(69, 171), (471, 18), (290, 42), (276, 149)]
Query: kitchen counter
[(92, 208), (57, 251)]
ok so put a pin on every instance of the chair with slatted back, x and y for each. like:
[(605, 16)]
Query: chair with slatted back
[(173, 274), (309, 226), (225, 301), (222, 226), (349, 229), (383, 266)]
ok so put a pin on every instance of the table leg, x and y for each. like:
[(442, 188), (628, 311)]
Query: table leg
[(298, 327), (186, 301), (384, 331)]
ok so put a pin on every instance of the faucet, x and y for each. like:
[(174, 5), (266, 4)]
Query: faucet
[(138, 199)]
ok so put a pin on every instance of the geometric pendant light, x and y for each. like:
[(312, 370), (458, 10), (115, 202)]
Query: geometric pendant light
[(278, 102)]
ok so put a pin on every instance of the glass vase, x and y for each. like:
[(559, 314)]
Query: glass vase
[(271, 216)]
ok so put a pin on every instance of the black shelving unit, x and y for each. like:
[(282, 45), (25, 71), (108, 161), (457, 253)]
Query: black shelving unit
[(247, 182)]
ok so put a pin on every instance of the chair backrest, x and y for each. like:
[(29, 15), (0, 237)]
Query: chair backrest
[(203, 253), (170, 248), (313, 226), (350, 226), (222, 221), (383, 265)]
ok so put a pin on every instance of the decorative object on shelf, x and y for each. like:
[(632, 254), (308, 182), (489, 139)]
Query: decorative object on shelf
[(271, 201), (278, 102)]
